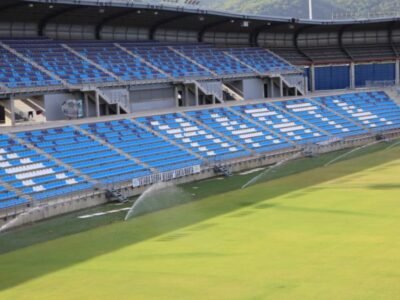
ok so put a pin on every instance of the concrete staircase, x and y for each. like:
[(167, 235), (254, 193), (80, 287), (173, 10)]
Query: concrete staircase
[(234, 93), (119, 101), (208, 90), (285, 78)]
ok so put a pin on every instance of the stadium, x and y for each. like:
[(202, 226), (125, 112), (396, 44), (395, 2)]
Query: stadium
[(162, 150)]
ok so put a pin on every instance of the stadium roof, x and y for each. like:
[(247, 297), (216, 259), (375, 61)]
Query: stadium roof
[(145, 14)]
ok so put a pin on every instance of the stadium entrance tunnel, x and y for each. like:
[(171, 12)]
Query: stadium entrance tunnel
[(221, 197)]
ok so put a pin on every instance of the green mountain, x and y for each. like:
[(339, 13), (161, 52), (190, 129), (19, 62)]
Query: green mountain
[(322, 9)]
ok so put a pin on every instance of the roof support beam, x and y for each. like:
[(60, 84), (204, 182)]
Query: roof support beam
[(390, 37), (157, 25), (342, 30), (43, 22), (202, 31), (104, 21), (296, 41), (255, 33)]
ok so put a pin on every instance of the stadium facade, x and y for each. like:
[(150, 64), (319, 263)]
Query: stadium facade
[(173, 86)]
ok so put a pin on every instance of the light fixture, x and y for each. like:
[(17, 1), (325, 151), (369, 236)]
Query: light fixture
[(102, 10), (245, 24), (201, 18)]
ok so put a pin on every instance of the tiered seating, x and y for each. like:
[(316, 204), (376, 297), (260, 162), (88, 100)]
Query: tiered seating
[(279, 121), (261, 60), (52, 56), (321, 117), (85, 154), (143, 145), (214, 59), (326, 54), (240, 130), (16, 73), (372, 109), (34, 174), (292, 55), (117, 61), (195, 137), (10, 199), (167, 60), (371, 52)]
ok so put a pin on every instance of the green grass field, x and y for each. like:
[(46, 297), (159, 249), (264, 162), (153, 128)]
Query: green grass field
[(325, 233)]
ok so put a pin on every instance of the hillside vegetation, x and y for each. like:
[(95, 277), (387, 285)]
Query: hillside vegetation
[(323, 9)]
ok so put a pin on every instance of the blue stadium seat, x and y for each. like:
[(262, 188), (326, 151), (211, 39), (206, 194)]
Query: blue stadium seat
[(374, 110)]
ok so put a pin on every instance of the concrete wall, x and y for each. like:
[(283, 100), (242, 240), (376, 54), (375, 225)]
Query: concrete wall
[(253, 88), (151, 97), (53, 103)]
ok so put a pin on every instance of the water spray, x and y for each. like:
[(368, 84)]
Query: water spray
[(270, 169), (159, 196), (392, 145), (350, 152)]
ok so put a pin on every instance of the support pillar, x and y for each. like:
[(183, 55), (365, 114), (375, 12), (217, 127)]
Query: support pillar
[(176, 95), (352, 75), (196, 95), (186, 98), (312, 78), (272, 87), (280, 87), (397, 80), (97, 103), (86, 104), (9, 111)]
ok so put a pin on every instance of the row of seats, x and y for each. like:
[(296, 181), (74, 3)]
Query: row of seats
[(283, 123), (10, 199), (85, 154), (60, 61), (126, 149), (261, 59), (117, 61), (33, 173), (239, 129), (374, 110), (17, 73), (322, 117), (143, 145), (142, 61), (197, 138), (214, 59), (167, 60)]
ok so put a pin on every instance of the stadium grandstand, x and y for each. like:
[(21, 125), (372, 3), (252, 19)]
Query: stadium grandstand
[(99, 96)]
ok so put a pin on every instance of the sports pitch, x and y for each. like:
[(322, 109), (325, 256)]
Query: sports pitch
[(325, 233)]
